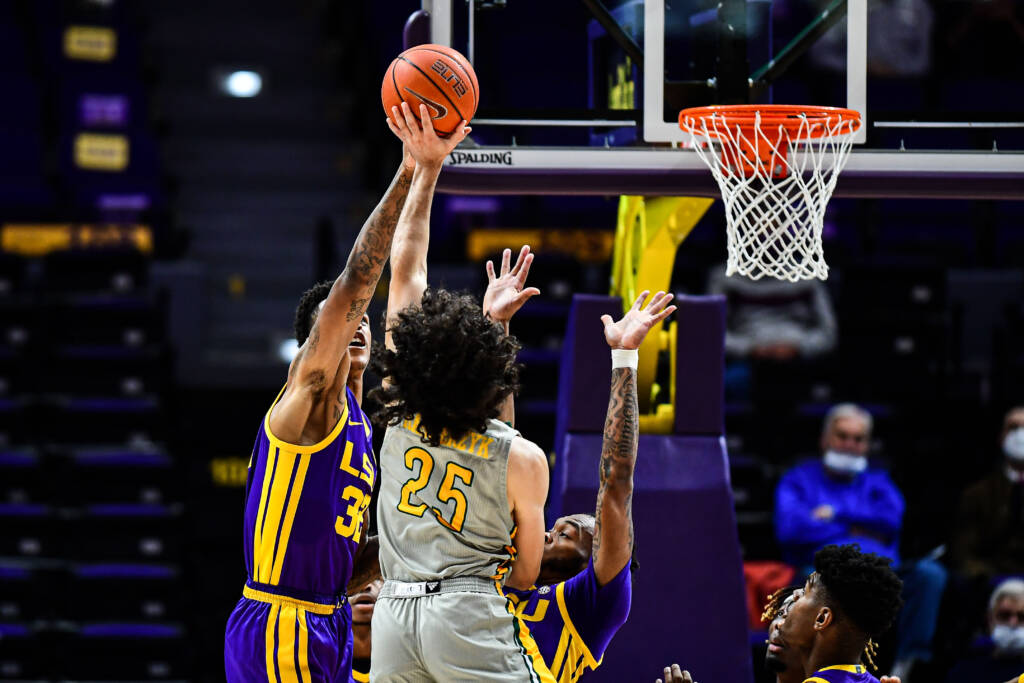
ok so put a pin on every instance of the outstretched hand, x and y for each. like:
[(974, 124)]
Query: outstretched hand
[(889, 679), (507, 293), (673, 674), (419, 139), (629, 332)]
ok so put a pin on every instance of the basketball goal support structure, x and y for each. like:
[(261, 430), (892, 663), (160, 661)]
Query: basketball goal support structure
[(690, 580)]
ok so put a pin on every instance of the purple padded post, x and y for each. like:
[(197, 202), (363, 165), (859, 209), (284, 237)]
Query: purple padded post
[(690, 582), (700, 359), (584, 381), (688, 594), (417, 29)]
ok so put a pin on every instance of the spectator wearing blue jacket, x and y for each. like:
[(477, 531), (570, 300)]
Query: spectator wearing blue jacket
[(842, 499)]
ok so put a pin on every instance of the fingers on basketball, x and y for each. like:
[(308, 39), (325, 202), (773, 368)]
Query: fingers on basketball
[(410, 119), (425, 121)]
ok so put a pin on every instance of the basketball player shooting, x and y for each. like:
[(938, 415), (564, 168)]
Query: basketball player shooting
[(312, 472), (462, 494), (585, 588)]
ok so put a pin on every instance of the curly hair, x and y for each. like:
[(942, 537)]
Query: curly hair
[(451, 365), (775, 601), (862, 585), (308, 304)]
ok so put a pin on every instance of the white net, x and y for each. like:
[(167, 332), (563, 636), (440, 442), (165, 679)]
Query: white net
[(775, 202)]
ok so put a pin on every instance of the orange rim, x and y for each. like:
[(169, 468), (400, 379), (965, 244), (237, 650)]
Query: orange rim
[(788, 116)]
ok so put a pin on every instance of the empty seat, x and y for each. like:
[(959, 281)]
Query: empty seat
[(95, 475), (125, 651), (124, 592), (124, 533)]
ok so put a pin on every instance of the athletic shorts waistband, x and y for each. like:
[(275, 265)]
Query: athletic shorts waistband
[(459, 584), (317, 603)]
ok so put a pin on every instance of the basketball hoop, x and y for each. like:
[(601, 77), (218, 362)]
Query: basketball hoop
[(776, 166)]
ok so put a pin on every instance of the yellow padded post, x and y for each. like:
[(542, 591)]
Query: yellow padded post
[(648, 233)]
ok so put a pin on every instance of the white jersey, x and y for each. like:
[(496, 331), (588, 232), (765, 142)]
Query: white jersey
[(443, 510)]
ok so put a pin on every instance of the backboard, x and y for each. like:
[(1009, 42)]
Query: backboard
[(583, 98)]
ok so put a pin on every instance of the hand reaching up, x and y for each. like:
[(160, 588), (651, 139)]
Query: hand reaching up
[(418, 137), (507, 293), (629, 332), (673, 674)]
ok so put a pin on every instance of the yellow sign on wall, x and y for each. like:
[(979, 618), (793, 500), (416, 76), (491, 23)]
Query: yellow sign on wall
[(33, 240), (90, 43), (96, 152)]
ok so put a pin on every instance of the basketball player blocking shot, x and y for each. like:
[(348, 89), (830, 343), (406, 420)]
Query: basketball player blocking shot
[(461, 494), (583, 594), (312, 471)]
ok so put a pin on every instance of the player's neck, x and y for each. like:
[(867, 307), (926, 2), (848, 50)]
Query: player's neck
[(356, 385), (828, 655)]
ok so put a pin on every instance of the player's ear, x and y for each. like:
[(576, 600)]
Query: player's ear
[(823, 618)]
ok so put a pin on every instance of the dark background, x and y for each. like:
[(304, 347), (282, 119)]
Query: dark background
[(132, 382)]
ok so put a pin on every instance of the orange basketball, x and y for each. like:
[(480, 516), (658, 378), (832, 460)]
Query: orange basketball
[(437, 76)]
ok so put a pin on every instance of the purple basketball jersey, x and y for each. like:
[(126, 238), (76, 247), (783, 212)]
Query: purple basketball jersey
[(573, 621), (304, 506), (847, 673)]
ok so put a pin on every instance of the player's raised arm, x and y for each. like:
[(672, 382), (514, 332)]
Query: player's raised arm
[(412, 237), (613, 521), (505, 295), (317, 364)]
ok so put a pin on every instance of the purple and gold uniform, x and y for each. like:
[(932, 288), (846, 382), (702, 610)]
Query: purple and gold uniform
[(843, 673), (572, 622), (303, 522)]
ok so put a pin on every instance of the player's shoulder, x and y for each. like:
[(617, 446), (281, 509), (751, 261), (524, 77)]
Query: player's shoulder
[(526, 451), (526, 459)]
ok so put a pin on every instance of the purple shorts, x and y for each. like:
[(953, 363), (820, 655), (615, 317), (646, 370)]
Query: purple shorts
[(285, 641)]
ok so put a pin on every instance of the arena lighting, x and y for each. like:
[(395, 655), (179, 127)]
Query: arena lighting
[(288, 350), (243, 84)]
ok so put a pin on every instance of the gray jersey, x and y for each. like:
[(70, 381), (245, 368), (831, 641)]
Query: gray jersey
[(443, 510)]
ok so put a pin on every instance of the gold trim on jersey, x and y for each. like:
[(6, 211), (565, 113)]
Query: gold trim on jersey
[(278, 504), (360, 677), (539, 671), (564, 611), (279, 600), (850, 668), (295, 448)]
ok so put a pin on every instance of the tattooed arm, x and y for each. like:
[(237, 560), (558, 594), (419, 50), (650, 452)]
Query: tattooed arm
[(613, 520), (319, 361), (412, 238)]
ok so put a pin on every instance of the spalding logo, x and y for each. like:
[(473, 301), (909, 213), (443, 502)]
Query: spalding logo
[(499, 158)]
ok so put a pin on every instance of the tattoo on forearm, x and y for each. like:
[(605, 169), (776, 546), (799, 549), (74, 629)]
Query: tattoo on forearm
[(357, 308), (618, 452), (373, 245)]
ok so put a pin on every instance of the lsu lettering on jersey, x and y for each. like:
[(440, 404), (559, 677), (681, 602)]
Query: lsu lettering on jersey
[(845, 673), (572, 622), (303, 523)]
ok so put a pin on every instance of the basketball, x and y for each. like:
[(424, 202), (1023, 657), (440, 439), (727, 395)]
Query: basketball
[(437, 76)]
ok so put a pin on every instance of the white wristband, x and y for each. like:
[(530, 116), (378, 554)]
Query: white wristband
[(625, 358)]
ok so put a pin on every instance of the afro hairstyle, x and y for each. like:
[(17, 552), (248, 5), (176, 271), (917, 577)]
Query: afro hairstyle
[(863, 586), (452, 366)]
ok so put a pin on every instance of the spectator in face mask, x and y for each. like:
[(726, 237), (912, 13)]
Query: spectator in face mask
[(842, 499), (988, 540), (1000, 654)]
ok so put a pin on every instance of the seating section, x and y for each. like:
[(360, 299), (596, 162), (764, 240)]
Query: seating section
[(89, 497)]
